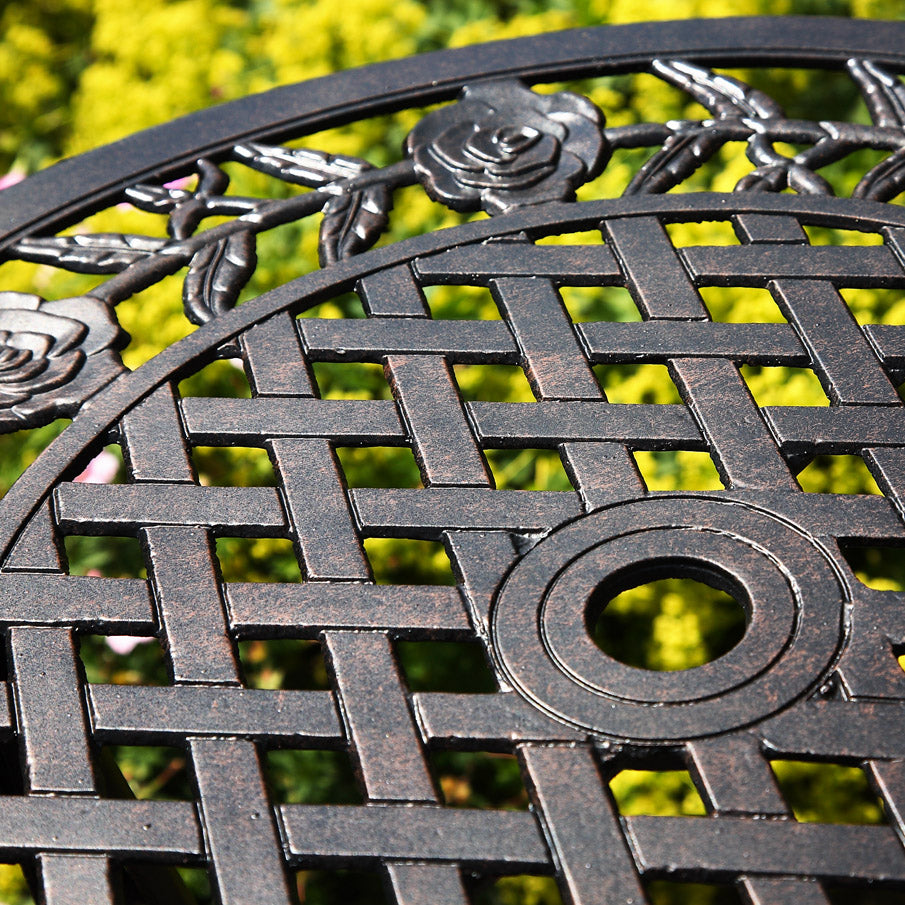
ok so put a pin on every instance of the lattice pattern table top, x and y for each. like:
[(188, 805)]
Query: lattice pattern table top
[(815, 676)]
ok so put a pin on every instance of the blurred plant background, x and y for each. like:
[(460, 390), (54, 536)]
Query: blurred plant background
[(75, 74)]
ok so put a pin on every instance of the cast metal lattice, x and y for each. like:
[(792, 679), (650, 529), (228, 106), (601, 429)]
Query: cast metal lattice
[(815, 676)]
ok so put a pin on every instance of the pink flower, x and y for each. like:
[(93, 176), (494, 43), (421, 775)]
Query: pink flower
[(11, 178), (182, 183), (101, 469), (124, 644)]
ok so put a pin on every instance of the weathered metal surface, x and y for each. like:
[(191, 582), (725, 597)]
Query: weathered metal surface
[(815, 676)]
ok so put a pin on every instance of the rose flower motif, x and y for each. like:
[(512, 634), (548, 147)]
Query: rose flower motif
[(503, 146), (53, 356)]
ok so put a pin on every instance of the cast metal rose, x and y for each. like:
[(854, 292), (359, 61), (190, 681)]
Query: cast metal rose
[(503, 146), (53, 356)]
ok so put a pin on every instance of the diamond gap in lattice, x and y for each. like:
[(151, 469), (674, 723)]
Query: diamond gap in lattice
[(146, 772), (527, 469), (827, 792), (783, 386), (123, 660), (837, 474), (14, 884), (106, 556), (826, 235), (707, 232), (404, 560), (265, 559), (222, 379), (347, 305), (284, 663), (479, 779), (323, 887), (584, 237), (233, 466), (600, 303), (197, 884), (104, 467), (875, 306), (450, 666), (311, 776), (461, 303), (634, 383), (671, 624), (351, 380), (741, 305), (521, 889), (379, 466), (656, 793), (677, 469), (493, 383), (674, 892), (880, 568)]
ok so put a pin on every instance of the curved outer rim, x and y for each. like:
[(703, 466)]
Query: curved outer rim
[(82, 184), (111, 403)]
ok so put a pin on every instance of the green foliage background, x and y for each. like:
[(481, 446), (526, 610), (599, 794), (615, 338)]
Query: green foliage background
[(75, 74)]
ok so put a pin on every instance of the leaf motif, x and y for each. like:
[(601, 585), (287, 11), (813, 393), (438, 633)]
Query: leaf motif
[(156, 199), (301, 166), (883, 93), (885, 180), (722, 95), (682, 153), (352, 223), (93, 253), (217, 274)]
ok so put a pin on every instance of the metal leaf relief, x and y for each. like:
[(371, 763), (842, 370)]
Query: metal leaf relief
[(97, 253), (217, 275), (722, 95), (302, 166), (883, 93), (353, 222), (156, 199), (681, 156), (693, 143)]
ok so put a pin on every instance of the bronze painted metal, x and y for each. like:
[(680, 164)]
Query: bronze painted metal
[(815, 676)]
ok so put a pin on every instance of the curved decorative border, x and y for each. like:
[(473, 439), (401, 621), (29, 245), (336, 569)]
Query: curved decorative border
[(69, 450), (500, 147), (92, 180)]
